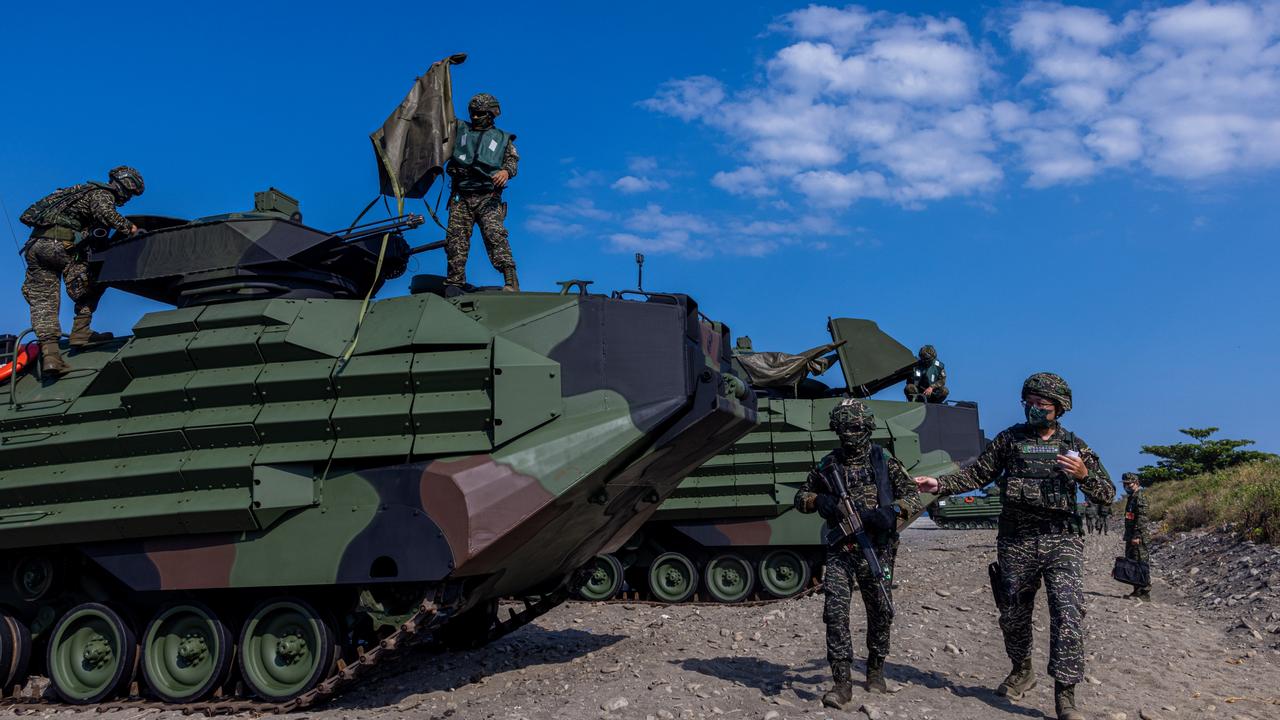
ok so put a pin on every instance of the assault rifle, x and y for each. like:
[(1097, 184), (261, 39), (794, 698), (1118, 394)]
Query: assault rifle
[(851, 527)]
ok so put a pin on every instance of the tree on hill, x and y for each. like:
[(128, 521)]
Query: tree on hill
[(1185, 459)]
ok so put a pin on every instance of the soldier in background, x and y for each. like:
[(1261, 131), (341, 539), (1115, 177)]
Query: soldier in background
[(1136, 539), (1090, 516), (62, 223), (882, 492), (1038, 466), (484, 161), (1104, 518), (928, 381)]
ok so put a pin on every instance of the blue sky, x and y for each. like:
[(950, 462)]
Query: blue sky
[(1088, 189)]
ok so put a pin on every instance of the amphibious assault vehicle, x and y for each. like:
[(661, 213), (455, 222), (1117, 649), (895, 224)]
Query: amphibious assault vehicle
[(730, 532), (280, 482), (966, 512)]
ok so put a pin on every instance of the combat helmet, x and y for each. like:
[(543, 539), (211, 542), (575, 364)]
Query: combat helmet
[(1050, 387), (852, 417), (484, 102), (927, 353), (127, 179)]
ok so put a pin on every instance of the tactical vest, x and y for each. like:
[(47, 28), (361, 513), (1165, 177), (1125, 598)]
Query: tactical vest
[(926, 377), (884, 488), (477, 155), (1033, 477), (50, 211)]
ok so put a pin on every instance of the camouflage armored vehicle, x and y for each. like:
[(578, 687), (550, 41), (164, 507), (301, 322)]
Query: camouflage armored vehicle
[(966, 512), (277, 483), (730, 532)]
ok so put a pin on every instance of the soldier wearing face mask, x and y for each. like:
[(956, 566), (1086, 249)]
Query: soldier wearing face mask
[(484, 161), (1038, 466), (882, 492)]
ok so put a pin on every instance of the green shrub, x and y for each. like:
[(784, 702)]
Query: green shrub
[(1245, 496)]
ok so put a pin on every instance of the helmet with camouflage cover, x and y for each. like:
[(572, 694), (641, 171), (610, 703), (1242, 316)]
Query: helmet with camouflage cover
[(127, 179), (852, 417), (1131, 478), (1050, 387), (927, 353), (482, 103)]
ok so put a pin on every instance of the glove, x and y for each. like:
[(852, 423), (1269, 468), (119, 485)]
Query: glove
[(880, 520), (829, 507)]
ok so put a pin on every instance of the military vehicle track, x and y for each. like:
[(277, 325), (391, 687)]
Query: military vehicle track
[(414, 631)]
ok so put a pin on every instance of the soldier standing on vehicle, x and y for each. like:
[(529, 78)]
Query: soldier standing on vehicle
[(882, 492), (484, 161), (62, 223), (928, 381), (1038, 466), (1136, 539)]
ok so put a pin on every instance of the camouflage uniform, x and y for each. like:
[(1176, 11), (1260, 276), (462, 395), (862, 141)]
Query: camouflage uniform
[(1090, 516), (845, 564), (1135, 528), (1104, 518), (53, 255), (1037, 543), (484, 207), (928, 372)]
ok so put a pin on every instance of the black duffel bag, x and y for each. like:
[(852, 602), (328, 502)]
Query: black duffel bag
[(1131, 572)]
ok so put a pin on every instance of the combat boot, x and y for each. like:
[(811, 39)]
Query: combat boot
[(1064, 701), (509, 281), (1020, 680), (841, 693), (51, 362), (81, 335), (875, 675)]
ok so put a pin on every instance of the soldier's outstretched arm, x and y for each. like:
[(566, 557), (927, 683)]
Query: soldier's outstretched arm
[(980, 472), (103, 206)]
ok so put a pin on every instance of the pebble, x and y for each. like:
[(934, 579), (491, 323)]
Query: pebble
[(772, 715), (953, 648), (943, 593), (1147, 715), (615, 704), (665, 715), (1092, 680), (1117, 716), (871, 712), (610, 669)]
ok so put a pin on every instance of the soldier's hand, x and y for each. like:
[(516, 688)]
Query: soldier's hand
[(928, 391), (1135, 541), (1073, 466), (500, 178), (926, 484), (133, 230)]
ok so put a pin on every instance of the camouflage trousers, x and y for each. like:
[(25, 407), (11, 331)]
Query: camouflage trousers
[(50, 261), (843, 569), (466, 211), (1058, 558)]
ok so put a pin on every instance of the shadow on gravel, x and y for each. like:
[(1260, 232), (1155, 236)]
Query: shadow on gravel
[(935, 681), (767, 677), (423, 671)]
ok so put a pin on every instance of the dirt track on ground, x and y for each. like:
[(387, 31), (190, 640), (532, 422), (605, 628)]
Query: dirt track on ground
[(1182, 656)]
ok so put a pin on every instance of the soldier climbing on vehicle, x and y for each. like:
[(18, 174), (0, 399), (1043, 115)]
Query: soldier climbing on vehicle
[(62, 223)]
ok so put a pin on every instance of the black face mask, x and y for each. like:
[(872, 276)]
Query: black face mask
[(1037, 417), (481, 121), (856, 445)]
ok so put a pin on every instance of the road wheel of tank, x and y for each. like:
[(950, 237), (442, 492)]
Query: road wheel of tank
[(15, 652), (186, 653), (604, 578), (728, 578), (783, 573), (286, 649), (672, 578), (92, 655)]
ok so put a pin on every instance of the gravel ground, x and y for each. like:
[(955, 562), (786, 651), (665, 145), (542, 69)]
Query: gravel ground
[(1182, 656)]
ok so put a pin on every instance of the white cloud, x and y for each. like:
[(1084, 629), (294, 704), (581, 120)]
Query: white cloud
[(566, 220), (861, 104), (671, 242), (642, 165), (631, 184)]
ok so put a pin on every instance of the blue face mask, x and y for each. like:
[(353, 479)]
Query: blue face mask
[(1037, 416)]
